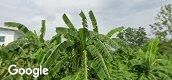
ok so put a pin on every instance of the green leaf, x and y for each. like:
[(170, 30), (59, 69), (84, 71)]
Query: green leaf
[(94, 22), (152, 50), (85, 64), (77, 76), (68, 22), (61, 30), (56, 53), (103, 49), (56, 39), (43, 29), (113, 31), (56, 68), (21, 27), (100, 62), (84, 20)]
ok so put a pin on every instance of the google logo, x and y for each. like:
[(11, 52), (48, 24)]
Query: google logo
[(36, 72)]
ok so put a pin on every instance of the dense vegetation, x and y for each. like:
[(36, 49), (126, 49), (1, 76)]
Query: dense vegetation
[(82, 54)]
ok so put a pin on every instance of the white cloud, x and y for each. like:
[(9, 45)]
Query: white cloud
[(109, 13), (68, 3)]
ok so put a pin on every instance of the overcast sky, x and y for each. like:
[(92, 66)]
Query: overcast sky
[(109, 13)]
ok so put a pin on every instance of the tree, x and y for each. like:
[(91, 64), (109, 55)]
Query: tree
[(163, 26), (133, 36)]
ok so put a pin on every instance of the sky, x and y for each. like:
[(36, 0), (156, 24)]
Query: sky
[(110, 14)]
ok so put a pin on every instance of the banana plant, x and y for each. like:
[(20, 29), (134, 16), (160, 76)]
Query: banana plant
[(148, 66), (83, 54), (25, 51)]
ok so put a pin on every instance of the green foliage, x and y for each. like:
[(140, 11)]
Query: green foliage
[(148, 66), (134, 37), (112, 32), (94, 22), (165, 49), (82, 54), (163, 26), (43, 28)]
